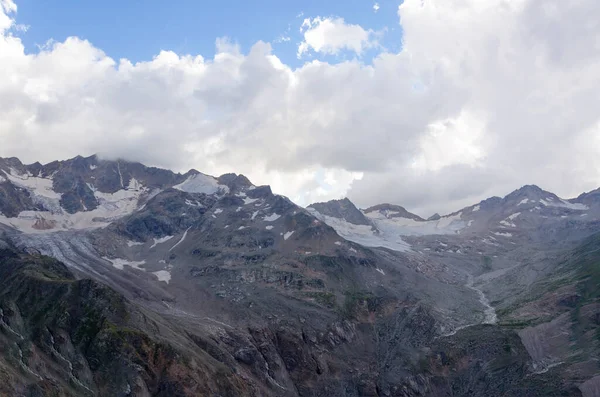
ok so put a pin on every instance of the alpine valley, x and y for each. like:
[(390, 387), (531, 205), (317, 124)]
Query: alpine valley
[(118, 279)]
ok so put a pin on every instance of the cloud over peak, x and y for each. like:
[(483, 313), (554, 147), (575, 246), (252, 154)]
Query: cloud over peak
[(483, 97)]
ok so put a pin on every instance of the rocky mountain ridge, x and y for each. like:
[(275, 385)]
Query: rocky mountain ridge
[(223, 288)]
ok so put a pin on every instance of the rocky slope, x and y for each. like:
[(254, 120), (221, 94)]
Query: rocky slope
[(198, 285), (531, 257), (66, 337)]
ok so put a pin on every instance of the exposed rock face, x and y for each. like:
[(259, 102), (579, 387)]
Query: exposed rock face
[(65, 337), (434, 217), (343, 209), (14, 200), (187, 285)]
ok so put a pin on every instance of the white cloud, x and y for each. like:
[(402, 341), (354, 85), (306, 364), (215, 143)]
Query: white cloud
[(283, 39), (484, 97), (376, 7), (7, 7), (331, 35)]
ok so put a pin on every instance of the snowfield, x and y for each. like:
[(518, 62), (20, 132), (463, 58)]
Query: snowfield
[(111, 206), (200, 183)]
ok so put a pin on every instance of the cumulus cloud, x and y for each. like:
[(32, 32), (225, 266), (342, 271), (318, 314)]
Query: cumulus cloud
[(483, 97), (331, 35), (6, 7)]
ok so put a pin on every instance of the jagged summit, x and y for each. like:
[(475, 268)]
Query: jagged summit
[(394, 211), (434, 217), (588, 197), (228, 289), (532, 192), (342, 209)]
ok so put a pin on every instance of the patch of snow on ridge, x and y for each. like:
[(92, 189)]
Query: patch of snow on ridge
[(513, 216), (247, 200), (111, 206), (362, 234), (508, 222), (524, 201), (288, 235), (565, 204), (182, 238), (476, 208), (271, 218), (449, 224), (193, 204), (35, 185), (119, 263), (503, 234), (41, 190), (200, 183), (161, 240), (133, 243), (163, 275)]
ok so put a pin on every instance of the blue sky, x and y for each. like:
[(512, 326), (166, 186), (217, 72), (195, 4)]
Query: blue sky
[(138, 30)]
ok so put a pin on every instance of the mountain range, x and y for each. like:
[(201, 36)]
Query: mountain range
[(119, 279)]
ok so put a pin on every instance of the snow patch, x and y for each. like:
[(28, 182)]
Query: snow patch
[(380, 271), (507, 223), (271, 218), (193, 204), (218, 211), (513, 216), (269, 227), (161, 240), (338, 243), (450, 224), (111, 206), (182, 238), (133, 243), (120, 264), (163, 275), (363, 234), (249, 200), (503, 234), (524, 201), (241, 227), (245, 198), (565, 204), (200, 183), (476, 208), (254, 214), (288, 235)]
